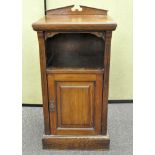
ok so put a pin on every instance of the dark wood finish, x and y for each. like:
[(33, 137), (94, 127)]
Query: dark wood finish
[(75, 70), (51, 34), (41, 41), (68, 11), (108, 35), (78, 100), (75, 23), (99, 142), (75, 61)]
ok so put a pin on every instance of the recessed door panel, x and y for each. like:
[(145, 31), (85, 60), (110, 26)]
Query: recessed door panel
[(77, 104)]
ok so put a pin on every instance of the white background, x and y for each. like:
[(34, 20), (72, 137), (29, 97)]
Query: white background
[(11, 80)]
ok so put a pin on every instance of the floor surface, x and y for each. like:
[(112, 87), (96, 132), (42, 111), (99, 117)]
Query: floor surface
[(119, 124)]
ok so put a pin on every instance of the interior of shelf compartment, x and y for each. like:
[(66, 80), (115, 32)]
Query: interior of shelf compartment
[(75, 50)]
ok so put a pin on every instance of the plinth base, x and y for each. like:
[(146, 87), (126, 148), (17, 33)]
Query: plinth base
[(57, 142)]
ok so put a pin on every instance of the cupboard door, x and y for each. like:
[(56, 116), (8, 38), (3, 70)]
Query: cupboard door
[(75, 101)]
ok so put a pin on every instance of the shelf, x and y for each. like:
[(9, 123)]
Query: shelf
[(74, 61), (73, 70), (75, 50)]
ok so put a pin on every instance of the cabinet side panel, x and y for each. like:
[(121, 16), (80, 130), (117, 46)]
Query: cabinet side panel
[(108, 35), (41, 40)]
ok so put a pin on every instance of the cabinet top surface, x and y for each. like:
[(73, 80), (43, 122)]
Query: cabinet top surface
[(64, 19), (75, 22)]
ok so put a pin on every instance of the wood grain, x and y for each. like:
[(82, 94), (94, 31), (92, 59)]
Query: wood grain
[(75, 104), (68, 11), (41, 41), (76, 142), (75, 61), (106, 60), (78, 98), (75, 23), (61, 70)]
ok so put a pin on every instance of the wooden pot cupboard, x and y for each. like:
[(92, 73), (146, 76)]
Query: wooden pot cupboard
[(74, 60)]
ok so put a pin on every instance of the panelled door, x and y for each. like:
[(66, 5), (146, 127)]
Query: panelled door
[(75, 103)]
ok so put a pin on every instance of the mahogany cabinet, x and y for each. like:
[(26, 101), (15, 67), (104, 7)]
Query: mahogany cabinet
[(74, 60)]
